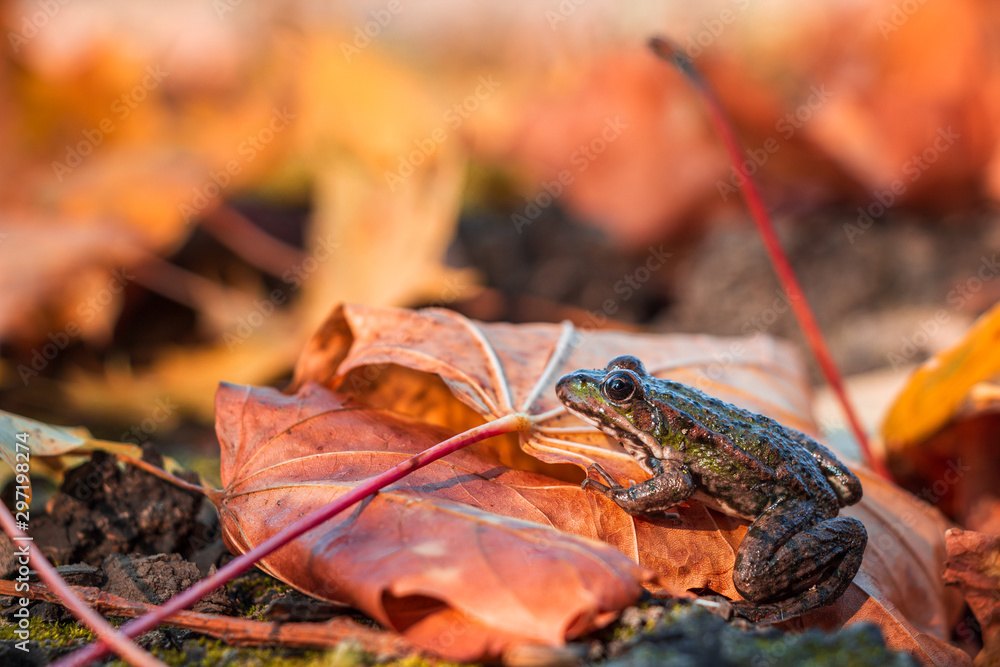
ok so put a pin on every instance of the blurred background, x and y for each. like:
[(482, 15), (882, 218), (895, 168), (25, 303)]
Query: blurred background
[(189, 187)]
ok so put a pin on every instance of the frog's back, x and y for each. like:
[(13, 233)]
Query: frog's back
[(768, 461)]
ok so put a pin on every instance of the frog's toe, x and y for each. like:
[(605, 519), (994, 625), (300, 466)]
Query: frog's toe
[(599, 469), (596, 486), (763, 614)]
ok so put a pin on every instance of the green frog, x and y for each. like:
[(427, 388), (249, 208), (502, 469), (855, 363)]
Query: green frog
[(798, 553)]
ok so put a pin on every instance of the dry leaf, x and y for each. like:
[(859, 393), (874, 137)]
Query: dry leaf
[(941, 388), (974, 565), (464, 557), (940, 433), (495, 369), (51, 450)]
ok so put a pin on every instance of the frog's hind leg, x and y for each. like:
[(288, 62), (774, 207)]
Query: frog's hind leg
[(790, 564)]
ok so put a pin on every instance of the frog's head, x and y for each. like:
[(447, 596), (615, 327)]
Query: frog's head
[(614, 400)]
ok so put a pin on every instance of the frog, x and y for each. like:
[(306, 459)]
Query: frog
[(799, 553)]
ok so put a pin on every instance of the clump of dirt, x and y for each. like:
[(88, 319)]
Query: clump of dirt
[(138, 537), (156, 579), (103, 508)]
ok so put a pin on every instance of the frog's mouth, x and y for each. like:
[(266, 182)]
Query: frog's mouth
[(626, 438)]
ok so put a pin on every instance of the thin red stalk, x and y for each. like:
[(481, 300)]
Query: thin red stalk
[(119, 643), (508, 424), (779, 260), (251, 242)]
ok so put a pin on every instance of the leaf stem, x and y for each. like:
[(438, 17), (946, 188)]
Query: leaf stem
[(508, 424), (162, 474), (779, 260)]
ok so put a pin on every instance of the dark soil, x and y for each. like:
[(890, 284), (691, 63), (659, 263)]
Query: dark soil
[(135, 536), (872, 289)]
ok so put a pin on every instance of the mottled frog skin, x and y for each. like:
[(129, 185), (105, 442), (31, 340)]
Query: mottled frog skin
[(798, 554)]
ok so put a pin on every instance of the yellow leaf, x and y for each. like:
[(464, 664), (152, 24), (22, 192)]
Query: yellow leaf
[(943, 385)]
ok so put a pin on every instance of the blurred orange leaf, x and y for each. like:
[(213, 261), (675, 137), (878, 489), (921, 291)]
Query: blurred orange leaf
[(945, 386), (940, 432)]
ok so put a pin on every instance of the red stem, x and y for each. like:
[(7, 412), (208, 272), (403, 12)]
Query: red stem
[(779, 260), (186, 598)]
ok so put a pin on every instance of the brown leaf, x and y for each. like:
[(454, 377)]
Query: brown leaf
[(974, 565), (465, 557), (494, 369)]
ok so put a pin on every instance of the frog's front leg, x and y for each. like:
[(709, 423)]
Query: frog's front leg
[(794, 560), (671, 485)]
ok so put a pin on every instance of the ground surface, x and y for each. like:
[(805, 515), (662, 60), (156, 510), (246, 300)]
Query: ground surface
[(129, 534)]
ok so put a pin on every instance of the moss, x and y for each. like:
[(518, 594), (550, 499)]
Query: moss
[(683, 633), (51, 634), (860, 644), (204, 652), (51, 641), (621, 633), (256, 584)]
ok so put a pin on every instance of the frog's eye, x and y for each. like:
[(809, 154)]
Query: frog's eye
[(619, 386)]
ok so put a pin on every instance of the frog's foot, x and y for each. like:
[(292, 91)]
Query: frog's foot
[(597, 486), (824, 593), (783, 556), (653, 496)]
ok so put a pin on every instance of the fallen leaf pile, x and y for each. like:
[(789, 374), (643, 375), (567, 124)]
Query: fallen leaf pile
[(455, 556)]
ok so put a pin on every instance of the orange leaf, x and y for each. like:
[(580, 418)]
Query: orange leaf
[(495, 369), (465, 558), (941, 431)]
